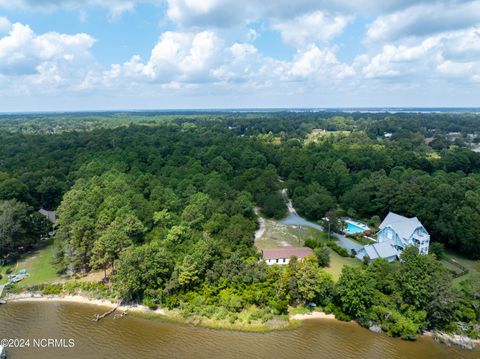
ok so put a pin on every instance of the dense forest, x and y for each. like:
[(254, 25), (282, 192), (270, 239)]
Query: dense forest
[(164, 205)]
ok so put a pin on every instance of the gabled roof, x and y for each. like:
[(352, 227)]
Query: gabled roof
[(380, 250), (403, 226), (286, 252)]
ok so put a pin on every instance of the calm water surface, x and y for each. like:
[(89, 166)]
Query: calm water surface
[(131, 337)]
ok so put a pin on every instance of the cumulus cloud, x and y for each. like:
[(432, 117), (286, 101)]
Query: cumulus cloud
[(317, 64), (424, 20), (182, 59), (309, 28), (51, 59), (396, 60), (212, 48), (449, 55), (178, 57)]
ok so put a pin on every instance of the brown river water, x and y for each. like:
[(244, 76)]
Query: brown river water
[(131, 337)]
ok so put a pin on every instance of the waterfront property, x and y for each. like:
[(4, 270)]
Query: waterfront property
[(283, 255), (396, 233), (404, 232)]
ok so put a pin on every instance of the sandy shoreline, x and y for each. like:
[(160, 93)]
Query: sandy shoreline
[(31, 297), (312, 315)]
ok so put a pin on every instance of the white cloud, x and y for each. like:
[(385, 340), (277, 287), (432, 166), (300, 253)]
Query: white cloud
[(182, 57), (211, 50), (425, 19), (397, 60), (451, 68), (48, 60), (447, 55), (309, 28), (315, 63), (462, 45)]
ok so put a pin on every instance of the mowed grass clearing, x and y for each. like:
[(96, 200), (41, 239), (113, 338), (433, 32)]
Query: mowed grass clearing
[(472, 265), (38, 264), (337, 262)]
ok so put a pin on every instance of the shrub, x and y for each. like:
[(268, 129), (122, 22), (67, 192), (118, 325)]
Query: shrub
[(52, 289), (150, 304), (233, 318), (340, 250), (279, 306), (312, 243), (333, 309)]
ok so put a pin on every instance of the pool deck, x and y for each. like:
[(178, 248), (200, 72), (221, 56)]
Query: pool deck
[(361, 226)]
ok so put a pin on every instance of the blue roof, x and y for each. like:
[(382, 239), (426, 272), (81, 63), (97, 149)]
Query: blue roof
[(379, 250)]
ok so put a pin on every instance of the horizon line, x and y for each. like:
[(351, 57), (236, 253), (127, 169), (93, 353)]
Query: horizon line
[(391, 109)]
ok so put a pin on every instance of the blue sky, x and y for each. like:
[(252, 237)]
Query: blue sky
[(58, 55)]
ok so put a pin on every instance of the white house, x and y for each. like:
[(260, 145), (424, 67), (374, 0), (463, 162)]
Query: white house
[(403, 232), (283, 255)]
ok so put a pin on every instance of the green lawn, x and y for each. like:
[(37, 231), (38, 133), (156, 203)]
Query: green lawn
[(337, 262), (38, 264), (472, 265)]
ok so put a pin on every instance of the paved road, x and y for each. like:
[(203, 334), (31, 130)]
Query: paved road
[(293, 219)]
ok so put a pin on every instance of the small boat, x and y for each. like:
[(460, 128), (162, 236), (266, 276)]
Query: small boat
[(3, 354), (3, 302)]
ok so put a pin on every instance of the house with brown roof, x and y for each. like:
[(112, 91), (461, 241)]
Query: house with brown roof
[(283, 255)]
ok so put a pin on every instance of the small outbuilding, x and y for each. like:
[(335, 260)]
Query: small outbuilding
[(283, 255), (49, 215)]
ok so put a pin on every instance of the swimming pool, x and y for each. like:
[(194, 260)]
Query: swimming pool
[(353, 228)]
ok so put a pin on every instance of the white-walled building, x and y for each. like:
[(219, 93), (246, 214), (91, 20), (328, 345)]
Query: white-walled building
[(283, 255)]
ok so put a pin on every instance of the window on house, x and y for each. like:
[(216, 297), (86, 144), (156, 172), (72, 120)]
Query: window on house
[(276, 260)]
